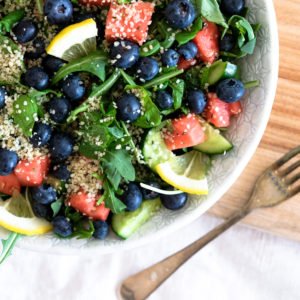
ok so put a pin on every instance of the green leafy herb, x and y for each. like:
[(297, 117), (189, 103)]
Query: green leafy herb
[(251, 84), (11, 19), (93, 63), (83, 229), (56, 206), (35, 93), (185, 36), (127, 77), (168, 34), (112, 174), (8, 244), (25, 111), (111, 201), (150, 48)]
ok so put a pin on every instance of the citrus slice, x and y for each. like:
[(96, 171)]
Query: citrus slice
[(75, 41), (185, 172), (16, 215)]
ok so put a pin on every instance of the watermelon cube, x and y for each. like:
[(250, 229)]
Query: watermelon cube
[(95, 2)]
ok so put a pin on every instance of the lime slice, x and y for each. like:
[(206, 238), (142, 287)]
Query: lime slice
[(16, 215), (75, 41), (185, 172)]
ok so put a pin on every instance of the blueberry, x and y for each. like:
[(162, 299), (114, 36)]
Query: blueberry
[(61, 172), (164, 100), (188, 50), (43, 194), (174, 202), (232, 7), (25, 31), (132, 197), (148, 194), (41, 134), (101, 229), (62, 226), (128, 108), (8, 161), (170, 58), (58, 11), (38, 50), (196, 101), (37, 78), (61, 146), (59, 109), (73, 87), (41, 210), (124, 54), (147, 68), (230, 90), (227, 43), (52, 64), (180, 13), (2, 96)]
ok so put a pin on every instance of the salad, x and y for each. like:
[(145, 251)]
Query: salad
[(111, 109)]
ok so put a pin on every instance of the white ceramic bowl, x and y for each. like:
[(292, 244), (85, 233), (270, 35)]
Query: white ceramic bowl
[(245, 133)]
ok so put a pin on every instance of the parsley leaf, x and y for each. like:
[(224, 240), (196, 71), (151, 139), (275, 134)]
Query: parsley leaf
[(8, 244)]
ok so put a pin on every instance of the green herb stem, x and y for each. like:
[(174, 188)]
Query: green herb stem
[(8, 245), (39, 6), (251, 84), (127, 78)]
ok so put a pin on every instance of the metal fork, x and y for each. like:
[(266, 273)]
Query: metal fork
[(271, 188)]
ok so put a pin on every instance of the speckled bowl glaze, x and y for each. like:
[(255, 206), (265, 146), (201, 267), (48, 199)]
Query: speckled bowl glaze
[(245, 132)]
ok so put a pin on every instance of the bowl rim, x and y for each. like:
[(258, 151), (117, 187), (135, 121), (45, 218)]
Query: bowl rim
[(189, 218)]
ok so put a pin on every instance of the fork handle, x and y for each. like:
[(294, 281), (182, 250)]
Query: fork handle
[(142, 284)]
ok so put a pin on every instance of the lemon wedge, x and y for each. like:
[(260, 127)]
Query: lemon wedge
[(16, 215), (75, 41), (185, 172)]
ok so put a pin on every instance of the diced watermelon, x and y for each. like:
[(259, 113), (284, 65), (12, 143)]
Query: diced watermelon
[(186, 64), (9, 184), (216, 111), (235, 108), (34, 172), (186, 132), (129, 21), (86, 204), (207, 41), (95, 2)]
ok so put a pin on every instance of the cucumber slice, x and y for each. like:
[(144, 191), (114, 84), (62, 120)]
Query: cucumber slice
[(215, 142), (124, 225), (155, 150)]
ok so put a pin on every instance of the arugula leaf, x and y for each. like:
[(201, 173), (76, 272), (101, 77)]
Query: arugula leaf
[(150, 48), (83, 229), (35, 93), (151, 116), (8, 244), (112, 174), (111, 201), (11, 19), (89, 150), (168, 34), (93, 63), (116, 131), (25, 111), (185, 36), (56, 206)]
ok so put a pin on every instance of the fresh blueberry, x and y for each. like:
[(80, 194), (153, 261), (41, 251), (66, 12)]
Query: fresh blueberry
[(25, 31), (43, 194), (180, 13), (132, 197), (58, 11), (146, 68), (41, 210), (8, 161), (41, 134), (101, 229), (38, 50), (128, 108), (85, 16), (61, 172), (188, 50), (164, 100), (2, 96), (196, 101), (52, 64), (230, 90), (73, 87), (61, 146), (232, 7), (124, 54), (62, 226), (170, 58), (227, 43), (37, 78), (174, 202), (148, 194), (59, 109)]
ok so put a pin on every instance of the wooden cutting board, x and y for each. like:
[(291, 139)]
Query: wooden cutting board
[(282, 134)]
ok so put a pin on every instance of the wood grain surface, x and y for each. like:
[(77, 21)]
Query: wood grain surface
[(282, 134)]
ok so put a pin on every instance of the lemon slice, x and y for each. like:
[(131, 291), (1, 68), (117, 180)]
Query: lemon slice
[(75, 41), (185, 172), (16, 215)]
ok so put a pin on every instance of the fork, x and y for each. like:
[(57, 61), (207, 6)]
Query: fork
[(271, 188)]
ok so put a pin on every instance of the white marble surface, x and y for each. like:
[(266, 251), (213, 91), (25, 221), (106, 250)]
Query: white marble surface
[(242, 264)]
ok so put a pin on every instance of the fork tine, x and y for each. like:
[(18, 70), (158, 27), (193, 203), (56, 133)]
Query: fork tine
[(294, 191), (286, 157), (293, 179), (290, 169)]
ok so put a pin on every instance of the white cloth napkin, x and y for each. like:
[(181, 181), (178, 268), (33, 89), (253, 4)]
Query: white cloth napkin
[(241, 264)]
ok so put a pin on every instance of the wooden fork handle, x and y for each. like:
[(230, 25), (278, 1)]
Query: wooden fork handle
[(142, 284)]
